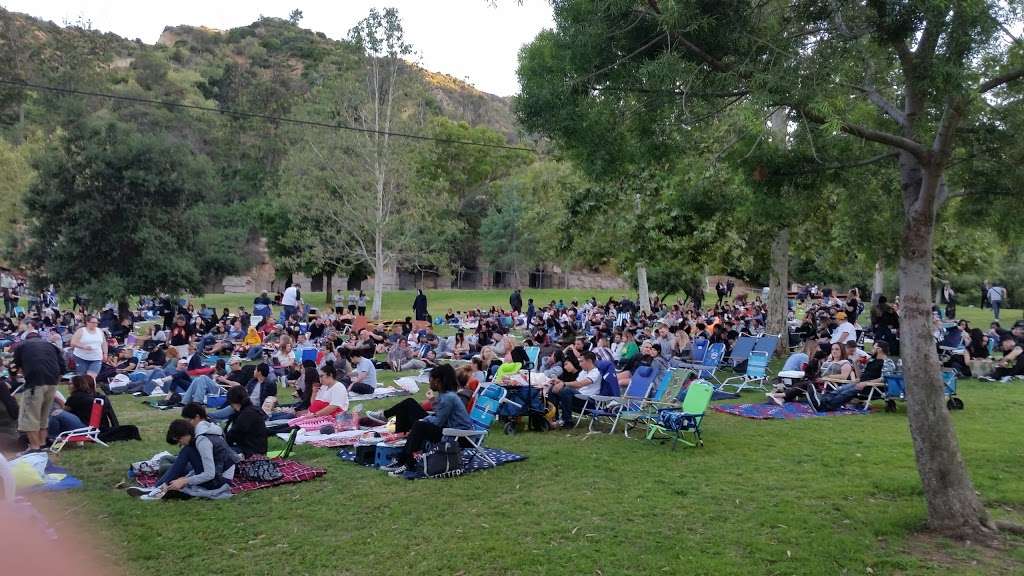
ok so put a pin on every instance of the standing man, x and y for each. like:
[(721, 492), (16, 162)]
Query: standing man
[(291, 299), (41, 364), (419, 305), (531, 311), (516, 301), (984, 293), (996, 295), (729, 285)]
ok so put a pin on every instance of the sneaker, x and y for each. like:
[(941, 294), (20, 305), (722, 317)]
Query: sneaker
[(986, 379), (400, 471), (138, 491), (377, 415), (154, 494), (812, 398), (392, 466), (1006, 379)]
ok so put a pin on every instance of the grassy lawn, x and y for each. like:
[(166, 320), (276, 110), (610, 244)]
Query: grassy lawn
[(831, 495)]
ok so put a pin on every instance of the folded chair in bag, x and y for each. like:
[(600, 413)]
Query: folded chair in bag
[(90, 433), (488, 399), (674, 423), (755, 377)]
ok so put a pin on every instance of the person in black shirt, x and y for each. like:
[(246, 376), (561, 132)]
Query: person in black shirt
[(247, 430)]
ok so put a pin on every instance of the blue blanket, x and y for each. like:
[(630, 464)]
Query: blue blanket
[(68, 483), (469, 463)]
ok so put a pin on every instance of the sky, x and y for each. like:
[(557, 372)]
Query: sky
[(474, 40)]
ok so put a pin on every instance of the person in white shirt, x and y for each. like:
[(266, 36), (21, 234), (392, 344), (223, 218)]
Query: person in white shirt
[(996, 295), (588, 383), (844, 332), (332, 397), (364, 376), (291, 299)]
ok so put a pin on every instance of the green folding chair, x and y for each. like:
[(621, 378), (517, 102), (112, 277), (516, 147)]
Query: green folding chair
[(285, 452), (675, 423)]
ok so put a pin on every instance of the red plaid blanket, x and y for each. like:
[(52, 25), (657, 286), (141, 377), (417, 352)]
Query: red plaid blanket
[(292, 470)]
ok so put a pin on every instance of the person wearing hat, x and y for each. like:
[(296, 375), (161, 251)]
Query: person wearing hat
[(845, 331), (41, 365)]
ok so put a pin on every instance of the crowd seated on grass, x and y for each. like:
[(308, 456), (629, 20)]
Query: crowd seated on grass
[(186, 355)]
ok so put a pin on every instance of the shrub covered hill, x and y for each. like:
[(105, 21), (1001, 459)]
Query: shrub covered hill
[(272, 67)]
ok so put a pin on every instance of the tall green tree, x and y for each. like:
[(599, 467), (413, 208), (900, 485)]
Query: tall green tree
[(114, 213), (899, 79)]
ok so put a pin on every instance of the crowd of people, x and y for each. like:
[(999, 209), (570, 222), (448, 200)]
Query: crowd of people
[(248, 357)]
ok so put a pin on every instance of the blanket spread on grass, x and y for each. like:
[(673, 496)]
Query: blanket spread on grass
[(469, 463), (68, 482), (292, 471), (772, 411)]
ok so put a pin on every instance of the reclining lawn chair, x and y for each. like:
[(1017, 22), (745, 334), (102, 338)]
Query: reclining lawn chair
[(90, 433), (485, 409), (593, 406), (741, 350), (674, 423), (601, 407), (767, 344), (648, 409), (755, 377), (707, 368)]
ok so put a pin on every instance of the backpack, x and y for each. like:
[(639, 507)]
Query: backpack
[(675, 420), (258, 470), (444, 459)]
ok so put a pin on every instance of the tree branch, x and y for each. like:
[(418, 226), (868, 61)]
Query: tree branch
[(871, 134), (998, 81), (876, 98)]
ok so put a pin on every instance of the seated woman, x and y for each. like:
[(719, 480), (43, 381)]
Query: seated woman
[(247, 430), (449, 412), (203, 466), (77, 409), (837, 364), (461, 350)]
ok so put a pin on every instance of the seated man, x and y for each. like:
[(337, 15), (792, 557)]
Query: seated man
[(364, 375), (587, 382), (1012, 363), (401, 357)]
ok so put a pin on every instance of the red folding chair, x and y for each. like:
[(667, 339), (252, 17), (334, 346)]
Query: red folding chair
[(90, 433)]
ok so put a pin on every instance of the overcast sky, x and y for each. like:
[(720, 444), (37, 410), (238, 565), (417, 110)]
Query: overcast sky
[(469, 39)]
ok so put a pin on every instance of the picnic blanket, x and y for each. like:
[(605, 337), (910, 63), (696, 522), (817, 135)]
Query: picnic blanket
[(332, 442), (57, 480), (383, 392), (314, 436), (772, 411), (469, 463), (293, 472)]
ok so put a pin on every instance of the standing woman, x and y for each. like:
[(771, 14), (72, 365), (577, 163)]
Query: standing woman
[(90, 347), (361, 303)]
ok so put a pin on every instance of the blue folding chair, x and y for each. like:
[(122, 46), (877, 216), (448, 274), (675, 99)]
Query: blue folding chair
[(489, 398), (755, 377), (741, 349), (768, 344)]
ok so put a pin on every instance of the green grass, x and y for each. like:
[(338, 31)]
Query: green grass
[(819, 496), (398, 304), (834, 495)]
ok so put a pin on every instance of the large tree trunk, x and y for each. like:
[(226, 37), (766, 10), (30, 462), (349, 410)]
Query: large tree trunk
[(954, 508), (328, 287), (878, 286), (641, 286), (778, 288), (378, 274)]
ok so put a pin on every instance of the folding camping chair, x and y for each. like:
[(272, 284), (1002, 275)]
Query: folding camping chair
[(610, 407), (768, 344), (647, 409), (674, 423), (90, 433), (593, 406), (707, 368), (488, 399), (755, 377), (288, 446), (741, 350)]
